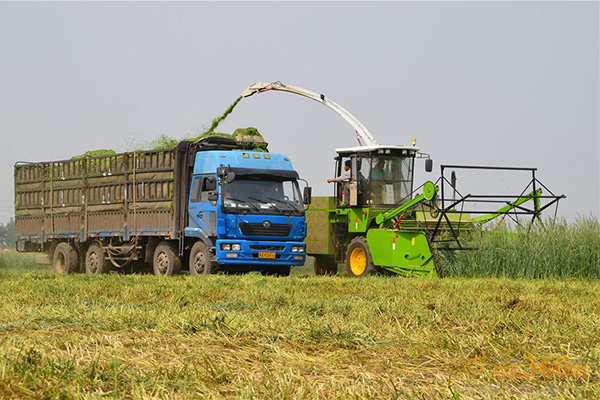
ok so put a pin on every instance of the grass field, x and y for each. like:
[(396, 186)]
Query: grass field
[(557, 250), (254, 337)]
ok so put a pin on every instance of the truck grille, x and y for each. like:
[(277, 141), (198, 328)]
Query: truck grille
[(267, 248), (261, 230)]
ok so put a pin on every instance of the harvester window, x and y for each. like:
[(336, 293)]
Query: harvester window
[(390, 180)]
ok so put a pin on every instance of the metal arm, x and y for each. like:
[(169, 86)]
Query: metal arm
[(361, 131), (507, 208), (429, 192)]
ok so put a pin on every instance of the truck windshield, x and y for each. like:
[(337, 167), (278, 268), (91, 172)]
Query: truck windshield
[(251, 196)]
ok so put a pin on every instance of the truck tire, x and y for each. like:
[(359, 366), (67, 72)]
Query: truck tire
[(64, 259), (358, 258), (325, 265), (276, 271), (166, 262), (95, 262), (201, 262)]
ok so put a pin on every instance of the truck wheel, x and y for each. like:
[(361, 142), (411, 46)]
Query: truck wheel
[(325, 266), (95, 262), (276, 271), (64, 259), (358, 258), (166, 261), (200, 260)]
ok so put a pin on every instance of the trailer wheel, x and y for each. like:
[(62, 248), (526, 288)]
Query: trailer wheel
[(276, 271), (95, 262), (166, 261), (325, 265), (64, 259), (358, 258), (200, 260)]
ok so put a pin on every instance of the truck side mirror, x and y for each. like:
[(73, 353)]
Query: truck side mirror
[(428, 165), (230, 177), (213, 196), (210, 184), (307, 195)]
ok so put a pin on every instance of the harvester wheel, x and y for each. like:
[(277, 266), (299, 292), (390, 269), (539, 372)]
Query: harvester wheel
[(166, 261), (200, 261), (325, 265), (358, 258), (95, 262), (64, 259)]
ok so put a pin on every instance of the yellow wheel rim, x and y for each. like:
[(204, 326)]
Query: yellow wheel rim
[(358, 261)]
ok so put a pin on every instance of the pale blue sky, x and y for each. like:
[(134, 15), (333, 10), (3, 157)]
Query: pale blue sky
[(477, 83)]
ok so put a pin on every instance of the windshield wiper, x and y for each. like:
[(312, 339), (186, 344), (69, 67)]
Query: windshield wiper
[(271, 206), (290, 208), (287, 203), (244, 202)]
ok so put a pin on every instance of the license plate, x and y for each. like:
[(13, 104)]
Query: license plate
[(266, 254)]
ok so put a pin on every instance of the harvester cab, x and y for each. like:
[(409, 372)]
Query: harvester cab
[(381, 176)]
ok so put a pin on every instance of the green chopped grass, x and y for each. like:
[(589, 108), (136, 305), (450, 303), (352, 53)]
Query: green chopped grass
[(240, 134), (95, 153), (217, 121), (167, 142)]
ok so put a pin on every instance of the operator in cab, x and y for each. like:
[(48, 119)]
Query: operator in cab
[(344, 180), (378, 173), (344, 177)]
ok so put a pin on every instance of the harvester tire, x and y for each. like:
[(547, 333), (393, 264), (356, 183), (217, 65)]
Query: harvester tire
[(64, 259), (325, 265), (166, 262), (200, 262), (95, 262), (359, 262)]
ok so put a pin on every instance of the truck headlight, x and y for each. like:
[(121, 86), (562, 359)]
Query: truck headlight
[(297, 249), (231, 247)]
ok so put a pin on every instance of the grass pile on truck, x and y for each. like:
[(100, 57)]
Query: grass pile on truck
[(210, 205)]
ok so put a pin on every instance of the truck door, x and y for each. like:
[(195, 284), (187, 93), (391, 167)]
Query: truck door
[(202, 212)]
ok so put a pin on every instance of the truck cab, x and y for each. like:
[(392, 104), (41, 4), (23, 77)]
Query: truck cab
[(248, 209)]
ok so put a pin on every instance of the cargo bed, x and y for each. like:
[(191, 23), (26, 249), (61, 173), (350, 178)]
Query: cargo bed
[(116, 195)]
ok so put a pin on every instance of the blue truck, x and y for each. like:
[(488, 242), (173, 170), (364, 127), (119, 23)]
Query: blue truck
[(216, 204)]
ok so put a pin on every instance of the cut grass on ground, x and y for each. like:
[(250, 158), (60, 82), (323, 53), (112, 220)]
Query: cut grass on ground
[(140, 336)]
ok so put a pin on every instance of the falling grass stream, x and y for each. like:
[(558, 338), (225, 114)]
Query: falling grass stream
[(165, 141), (218, 120)]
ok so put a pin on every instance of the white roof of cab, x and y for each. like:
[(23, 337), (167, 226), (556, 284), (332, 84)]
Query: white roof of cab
[(361, 149)]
